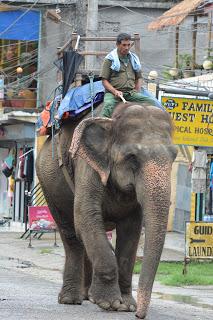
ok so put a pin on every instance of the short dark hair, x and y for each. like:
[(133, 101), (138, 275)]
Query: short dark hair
[(123, 36)]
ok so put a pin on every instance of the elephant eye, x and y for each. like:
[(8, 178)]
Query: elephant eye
[(132, 161)]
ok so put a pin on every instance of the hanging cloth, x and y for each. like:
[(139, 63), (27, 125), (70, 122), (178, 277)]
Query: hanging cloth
[(199, 165), (71, 62), (8, 164)]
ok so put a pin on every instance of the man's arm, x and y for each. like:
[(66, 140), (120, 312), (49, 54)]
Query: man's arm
[(105, 75), (107, 85), (138, 84)]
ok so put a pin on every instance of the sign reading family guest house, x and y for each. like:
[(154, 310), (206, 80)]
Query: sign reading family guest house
[(193, 120)]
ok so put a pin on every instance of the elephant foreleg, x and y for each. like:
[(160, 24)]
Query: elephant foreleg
[(104, 289), (87, 276), (128, 234)]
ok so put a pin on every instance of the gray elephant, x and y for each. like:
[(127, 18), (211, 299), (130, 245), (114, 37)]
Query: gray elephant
[(116, 173)]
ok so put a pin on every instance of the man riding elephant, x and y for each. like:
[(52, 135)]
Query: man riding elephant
[(121, 76)]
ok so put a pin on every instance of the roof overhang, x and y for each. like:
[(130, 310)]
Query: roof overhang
[(175, 15), (17, 117), (6, 7)]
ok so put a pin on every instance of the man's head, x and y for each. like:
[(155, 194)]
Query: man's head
[(123, 43)]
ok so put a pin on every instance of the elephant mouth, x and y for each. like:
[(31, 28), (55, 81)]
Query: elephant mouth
[(129, 188)]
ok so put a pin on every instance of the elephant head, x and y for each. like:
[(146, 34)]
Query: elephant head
[(134, 150)]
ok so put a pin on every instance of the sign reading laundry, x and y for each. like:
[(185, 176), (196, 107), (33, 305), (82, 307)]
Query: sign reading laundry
[(199, 240), (193, 120)]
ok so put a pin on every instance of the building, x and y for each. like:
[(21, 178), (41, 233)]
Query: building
[(33, 77)]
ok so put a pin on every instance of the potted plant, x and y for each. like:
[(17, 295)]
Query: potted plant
[(185, 65), (183, 70)]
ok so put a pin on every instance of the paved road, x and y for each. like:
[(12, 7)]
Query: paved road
[(30, 280), (28, 297)]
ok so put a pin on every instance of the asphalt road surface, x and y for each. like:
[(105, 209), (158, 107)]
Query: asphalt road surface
[(28, 297)]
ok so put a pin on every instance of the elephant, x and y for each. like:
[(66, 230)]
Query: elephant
[(116, 175)]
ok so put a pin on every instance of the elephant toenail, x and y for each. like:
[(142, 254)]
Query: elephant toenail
[(116, 304), (122, 307), (91, 300), (65, 300), (104, 305)]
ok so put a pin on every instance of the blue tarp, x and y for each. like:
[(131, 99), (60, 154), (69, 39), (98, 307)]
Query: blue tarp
[(77, 97), (25, 28)]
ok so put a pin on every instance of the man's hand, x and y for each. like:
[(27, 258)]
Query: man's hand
[(107, 85), (117, 93)]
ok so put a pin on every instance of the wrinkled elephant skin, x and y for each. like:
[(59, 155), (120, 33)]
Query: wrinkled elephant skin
[(121, 171)]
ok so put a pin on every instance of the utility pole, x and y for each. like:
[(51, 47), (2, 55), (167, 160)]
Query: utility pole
[(81, 13), (91, 31)]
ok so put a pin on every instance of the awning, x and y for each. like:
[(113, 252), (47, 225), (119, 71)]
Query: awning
[(19, 25), (175, 15), (6, 7)]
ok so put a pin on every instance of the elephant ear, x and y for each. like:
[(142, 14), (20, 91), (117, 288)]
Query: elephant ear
[(91, 140)]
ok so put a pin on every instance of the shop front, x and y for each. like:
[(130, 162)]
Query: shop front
[(19, 45), (19, 42), (17, 166)]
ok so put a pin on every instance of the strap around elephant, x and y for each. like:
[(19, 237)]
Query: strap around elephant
[(62, 166)]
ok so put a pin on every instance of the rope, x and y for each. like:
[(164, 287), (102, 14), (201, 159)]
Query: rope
[(55, 123), (91, 80)]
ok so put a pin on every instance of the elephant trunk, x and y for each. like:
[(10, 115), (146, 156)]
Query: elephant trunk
[(155, 204)]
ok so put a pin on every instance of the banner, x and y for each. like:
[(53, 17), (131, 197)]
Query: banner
[(193, 120), (40, 219)]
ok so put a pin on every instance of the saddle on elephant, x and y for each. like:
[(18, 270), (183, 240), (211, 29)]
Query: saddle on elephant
[(77, 102)]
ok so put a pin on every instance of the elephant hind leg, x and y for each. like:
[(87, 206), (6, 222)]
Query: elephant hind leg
[(72, 276), (71, 292)]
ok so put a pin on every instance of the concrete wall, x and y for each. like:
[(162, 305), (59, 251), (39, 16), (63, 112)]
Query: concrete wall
[(157, 47)]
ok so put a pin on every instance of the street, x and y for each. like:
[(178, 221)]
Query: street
[(27, 297)]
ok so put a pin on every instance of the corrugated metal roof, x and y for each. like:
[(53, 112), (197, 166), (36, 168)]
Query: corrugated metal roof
[(175, 15)]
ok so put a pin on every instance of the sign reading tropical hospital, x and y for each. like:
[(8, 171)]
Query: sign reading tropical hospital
[(193, 120), (199, 240)]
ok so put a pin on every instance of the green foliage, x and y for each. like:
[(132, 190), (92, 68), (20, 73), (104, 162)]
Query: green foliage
[(137, 267), (171, 273), (209, 54), (166, 75), (46, 250), (184, 61)]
